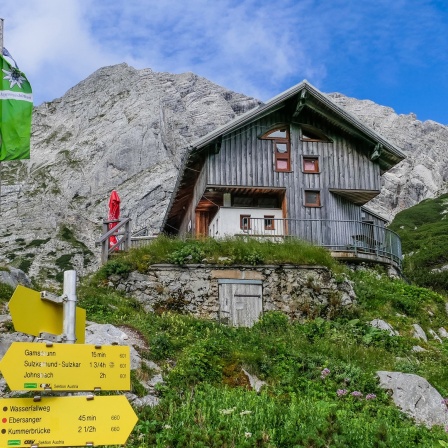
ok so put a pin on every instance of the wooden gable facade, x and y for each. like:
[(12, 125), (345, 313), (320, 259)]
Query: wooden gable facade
[(296, 166)]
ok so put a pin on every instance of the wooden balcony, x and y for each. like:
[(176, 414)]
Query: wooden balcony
[(355, 240)]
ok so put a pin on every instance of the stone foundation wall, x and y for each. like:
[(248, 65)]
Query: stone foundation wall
[(298, 291)]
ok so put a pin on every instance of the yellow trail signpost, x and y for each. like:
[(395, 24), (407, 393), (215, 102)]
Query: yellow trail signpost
[(32, 315), (66, 367), (35, 366), (66, 421)]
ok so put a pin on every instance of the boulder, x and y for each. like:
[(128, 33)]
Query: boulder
[(140, 402), (418, 349), (419, 333), (435, 335), (8, 338), (14, 277), (383, 325), (255, 383), (415, 397), (107, 334)]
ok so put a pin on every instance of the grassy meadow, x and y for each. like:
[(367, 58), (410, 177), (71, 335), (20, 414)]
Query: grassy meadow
[(321, 388)]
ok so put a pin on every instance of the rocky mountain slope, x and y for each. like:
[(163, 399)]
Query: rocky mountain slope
[(121, 129), (424, 173), (126, 129)]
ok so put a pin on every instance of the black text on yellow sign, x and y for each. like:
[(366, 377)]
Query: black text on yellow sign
[(66, 421), (66, 367)]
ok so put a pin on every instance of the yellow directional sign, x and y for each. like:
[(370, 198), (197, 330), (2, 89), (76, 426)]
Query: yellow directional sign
[(66, 421), (66, 367), (32, 315)]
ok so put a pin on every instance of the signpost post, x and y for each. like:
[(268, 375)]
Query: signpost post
[(66, 421), (66, 367)]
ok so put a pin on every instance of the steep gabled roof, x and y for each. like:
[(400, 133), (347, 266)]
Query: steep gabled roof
[(304, 96)]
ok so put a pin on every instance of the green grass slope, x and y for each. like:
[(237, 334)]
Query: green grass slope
[(321, 387), (423, 229)]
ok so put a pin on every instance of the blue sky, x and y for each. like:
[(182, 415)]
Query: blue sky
[(393, 52)]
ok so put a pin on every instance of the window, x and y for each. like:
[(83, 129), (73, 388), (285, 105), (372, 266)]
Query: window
[(243, 201), (269, 223), (312, 134), (268, 202), (282, 148), (312, 198), (256, 201), (310, 164), (245, 222)]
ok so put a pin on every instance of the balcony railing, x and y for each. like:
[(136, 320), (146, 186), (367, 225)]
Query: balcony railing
[(361, 238), (122, 234)]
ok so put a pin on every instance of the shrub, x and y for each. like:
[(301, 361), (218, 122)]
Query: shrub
[(272, 321), (190, 253), (6, 291), (118, 266)]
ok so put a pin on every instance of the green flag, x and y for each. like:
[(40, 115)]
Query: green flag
[(16, 108)]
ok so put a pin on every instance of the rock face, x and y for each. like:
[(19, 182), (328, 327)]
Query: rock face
[(127, 129), (416, 397), (14, 277), (424, 173), (121, 129)]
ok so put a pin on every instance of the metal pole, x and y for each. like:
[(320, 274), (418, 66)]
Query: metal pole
[(69, 307), (105, 245)]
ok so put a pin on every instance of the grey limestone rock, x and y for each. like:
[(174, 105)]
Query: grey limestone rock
[(14, 277), (383, 325), (434, 335), (6, 339), (140, 402), (419, 333), (107, 334), (418, 349), (255, 383), (120, 128), (416, 397)]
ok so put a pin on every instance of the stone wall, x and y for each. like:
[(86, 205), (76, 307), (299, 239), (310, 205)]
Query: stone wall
[(298, 291)]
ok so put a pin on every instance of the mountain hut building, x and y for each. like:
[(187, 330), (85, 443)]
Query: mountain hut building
[(296, 166)]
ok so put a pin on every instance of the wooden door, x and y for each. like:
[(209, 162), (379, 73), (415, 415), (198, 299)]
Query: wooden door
[(241, 302)]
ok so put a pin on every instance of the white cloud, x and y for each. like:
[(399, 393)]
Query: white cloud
[(257, 47), (246, 46)]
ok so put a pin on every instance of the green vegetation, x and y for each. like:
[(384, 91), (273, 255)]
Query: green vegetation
[(224, 252), (321, 387), (5, 292), (25, 263), (64, 263), (37, 243), (423, 230), (67, 235)]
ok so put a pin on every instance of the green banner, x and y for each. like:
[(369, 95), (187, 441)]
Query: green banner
[(16, 108)]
